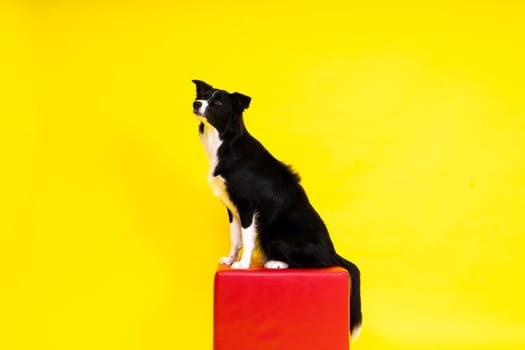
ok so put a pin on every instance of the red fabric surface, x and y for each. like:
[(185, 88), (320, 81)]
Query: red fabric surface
[(281, 309)]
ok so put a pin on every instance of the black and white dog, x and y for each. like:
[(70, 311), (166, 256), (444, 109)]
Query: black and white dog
[(263, 195)]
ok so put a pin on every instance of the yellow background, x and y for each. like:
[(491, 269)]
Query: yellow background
[(405, 119)]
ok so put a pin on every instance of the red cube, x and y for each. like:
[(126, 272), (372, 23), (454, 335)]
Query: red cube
[(261, 309)]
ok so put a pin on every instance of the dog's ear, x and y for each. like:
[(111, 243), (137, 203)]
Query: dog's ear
[(240, 101), (202, 88)]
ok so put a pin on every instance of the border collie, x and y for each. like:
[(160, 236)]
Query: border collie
[(263, 197)]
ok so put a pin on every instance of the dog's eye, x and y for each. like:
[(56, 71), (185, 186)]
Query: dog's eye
[(217, 102)]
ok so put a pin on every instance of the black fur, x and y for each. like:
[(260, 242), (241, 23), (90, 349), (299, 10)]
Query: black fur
[(289, 229)]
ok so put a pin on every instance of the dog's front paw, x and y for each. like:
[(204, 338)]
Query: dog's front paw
[(275, 264), (226, 260), (240, 265)]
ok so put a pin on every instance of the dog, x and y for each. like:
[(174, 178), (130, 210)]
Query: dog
[(265, 201)]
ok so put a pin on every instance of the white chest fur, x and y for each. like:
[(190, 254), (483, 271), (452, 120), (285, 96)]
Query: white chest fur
[(211, 142)]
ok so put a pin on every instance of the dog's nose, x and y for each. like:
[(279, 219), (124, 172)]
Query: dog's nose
[(197, 105)]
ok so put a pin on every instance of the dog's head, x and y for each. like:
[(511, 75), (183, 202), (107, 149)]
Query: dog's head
[(219, 108)]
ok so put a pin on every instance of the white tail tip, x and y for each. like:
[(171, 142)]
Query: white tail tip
[(356, 331)]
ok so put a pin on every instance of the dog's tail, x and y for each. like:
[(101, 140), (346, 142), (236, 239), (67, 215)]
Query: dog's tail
[(356, 317)]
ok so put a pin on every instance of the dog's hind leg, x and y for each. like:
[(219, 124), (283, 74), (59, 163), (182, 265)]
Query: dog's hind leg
[(236, 240), (275, 264)]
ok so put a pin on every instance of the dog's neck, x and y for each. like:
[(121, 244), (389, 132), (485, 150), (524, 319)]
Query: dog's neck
[(210, 140), (234, 129)]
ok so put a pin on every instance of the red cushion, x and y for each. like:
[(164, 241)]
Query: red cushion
[(281, 309)]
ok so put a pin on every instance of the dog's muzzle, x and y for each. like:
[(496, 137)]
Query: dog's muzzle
[(199, 107)]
